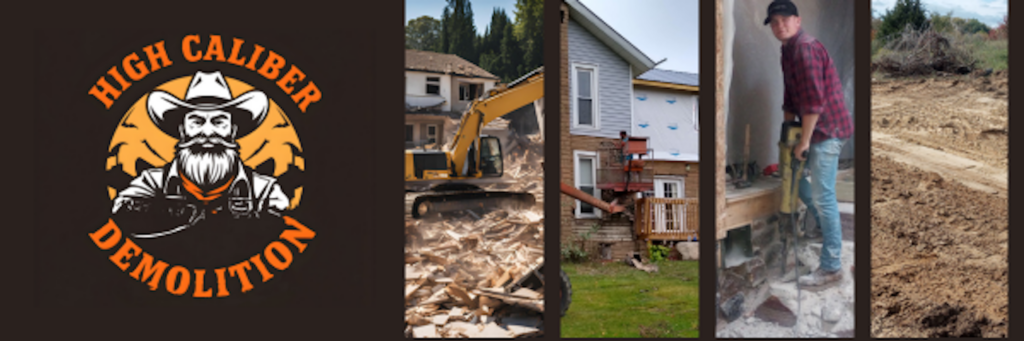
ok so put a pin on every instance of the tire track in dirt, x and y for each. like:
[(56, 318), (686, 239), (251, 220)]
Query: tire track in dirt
[(971, 173)]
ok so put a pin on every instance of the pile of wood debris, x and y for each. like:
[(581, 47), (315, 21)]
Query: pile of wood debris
[(524, 155), (461, 275), (469, 275)]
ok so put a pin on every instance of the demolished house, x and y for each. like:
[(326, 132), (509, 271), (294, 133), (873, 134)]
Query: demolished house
[(475, 272), (439, 86), (613, 87), (757, 294)]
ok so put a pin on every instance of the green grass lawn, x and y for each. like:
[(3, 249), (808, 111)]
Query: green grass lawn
[(617, 301)]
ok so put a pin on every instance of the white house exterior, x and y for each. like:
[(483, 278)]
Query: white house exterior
[(438, 86), (432, 77)]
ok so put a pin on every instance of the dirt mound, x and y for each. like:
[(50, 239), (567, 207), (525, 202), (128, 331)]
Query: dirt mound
[(939, 248)]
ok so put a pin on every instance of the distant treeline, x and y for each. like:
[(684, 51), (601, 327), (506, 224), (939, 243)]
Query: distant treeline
[(508, 49)]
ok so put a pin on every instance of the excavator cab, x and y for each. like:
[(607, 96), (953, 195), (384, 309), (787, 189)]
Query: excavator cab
[(490, 157)]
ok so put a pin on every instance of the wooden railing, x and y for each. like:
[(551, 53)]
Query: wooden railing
[(667, 219)]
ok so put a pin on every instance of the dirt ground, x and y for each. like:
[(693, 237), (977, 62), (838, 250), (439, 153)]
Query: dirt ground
[(966, 117), (939, 207)]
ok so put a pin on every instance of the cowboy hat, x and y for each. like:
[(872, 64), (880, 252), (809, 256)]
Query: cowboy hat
[(208, 91)]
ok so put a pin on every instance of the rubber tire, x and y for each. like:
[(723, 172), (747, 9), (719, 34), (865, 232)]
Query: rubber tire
[(416, 207), (565, 291)]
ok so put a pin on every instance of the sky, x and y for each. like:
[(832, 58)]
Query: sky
[(482, 10), (989, 12), (659, 28)]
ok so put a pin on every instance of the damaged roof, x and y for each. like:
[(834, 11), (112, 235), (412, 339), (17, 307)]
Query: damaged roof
[(416, 60), (672, 77)]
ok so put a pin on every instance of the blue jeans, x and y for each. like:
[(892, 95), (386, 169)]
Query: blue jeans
[(819, 194)]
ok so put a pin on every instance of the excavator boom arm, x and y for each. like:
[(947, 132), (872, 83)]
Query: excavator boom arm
[(485, 110)]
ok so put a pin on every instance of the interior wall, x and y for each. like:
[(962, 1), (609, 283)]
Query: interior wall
[(755, 89)]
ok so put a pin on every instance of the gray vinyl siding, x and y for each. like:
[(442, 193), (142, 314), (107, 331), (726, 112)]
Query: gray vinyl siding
[(614, 83)]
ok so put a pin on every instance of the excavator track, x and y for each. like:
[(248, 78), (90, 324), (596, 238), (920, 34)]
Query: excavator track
[(465, 200)]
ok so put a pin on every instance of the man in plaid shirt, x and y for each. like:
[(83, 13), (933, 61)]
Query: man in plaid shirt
[(814, 94)]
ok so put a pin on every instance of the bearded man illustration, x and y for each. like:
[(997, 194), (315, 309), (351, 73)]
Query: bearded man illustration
[(206, 179)]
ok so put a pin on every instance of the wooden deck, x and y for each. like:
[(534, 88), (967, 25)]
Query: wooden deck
[(667, 219)]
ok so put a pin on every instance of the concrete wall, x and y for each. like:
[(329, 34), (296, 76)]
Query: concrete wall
[(416, 84), (420, 123), (614, 82), (668, 117), (753, 63)]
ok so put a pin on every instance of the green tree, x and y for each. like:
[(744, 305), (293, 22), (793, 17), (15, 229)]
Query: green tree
[(423, 33), (491, 40), (973, 26), (458, 34), (446, 30), (491, 44), (942, 23), (529, 31), (511, 56), (905, 13)]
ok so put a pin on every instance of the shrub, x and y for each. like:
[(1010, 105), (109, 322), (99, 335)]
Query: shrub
[(658, 253)]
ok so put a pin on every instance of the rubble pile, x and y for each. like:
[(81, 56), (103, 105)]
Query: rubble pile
[(461, 275), (759, 296), (472, 273), (774, 311), (524, 155)]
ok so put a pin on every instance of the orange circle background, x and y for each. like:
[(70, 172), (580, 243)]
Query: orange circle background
[(137, 137)]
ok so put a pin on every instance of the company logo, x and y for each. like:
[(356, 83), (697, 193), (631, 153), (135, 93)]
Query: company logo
[(205, 171)]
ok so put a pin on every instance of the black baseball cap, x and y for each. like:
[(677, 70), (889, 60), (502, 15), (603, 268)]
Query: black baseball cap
[(784, 7)]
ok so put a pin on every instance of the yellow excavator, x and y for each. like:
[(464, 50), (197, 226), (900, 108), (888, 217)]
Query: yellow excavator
[(452, 176)]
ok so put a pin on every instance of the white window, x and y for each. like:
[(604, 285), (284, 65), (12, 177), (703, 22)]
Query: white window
[(431, 133), (585, 168), (668, 188), (585, 90), (434, 85), (669, 217)]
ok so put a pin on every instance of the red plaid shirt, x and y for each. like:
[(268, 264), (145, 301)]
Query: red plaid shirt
[(813, 87)]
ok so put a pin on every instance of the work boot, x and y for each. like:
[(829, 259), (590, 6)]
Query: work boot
[(820, 277)]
